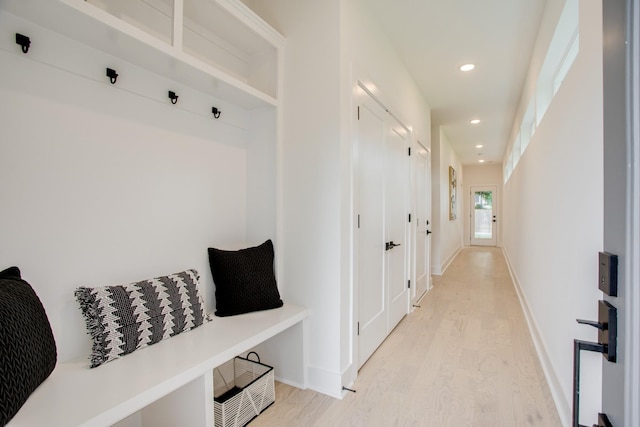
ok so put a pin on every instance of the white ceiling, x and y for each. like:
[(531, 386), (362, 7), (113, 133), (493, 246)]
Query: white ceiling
[(435, 37)]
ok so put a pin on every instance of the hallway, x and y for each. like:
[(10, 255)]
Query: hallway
[(463, 358)]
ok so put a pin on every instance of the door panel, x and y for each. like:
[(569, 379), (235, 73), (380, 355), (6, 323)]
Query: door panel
[(396, 220), (422, 223), (370, 165), (483, 204)]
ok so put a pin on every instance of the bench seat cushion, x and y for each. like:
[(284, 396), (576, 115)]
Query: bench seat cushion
[(124, 318)]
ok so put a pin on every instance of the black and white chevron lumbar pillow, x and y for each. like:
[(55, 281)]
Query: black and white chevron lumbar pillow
[(124, 318)]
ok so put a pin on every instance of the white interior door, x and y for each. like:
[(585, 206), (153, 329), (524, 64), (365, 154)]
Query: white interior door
[(396, 220), (422, 226), (382, 178), (483, 206), (370, 237)]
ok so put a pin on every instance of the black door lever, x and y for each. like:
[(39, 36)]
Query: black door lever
[(390, 245), (601, 326)]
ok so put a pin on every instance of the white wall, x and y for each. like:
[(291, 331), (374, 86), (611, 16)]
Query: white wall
[(553, 217), (482, 175), (447, 234), (330, 45), (101, 186), (311, 175)]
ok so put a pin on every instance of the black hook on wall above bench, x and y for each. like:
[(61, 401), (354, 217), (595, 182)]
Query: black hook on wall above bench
[(216, 113), (23, 41), (113, 76), (173, 97)]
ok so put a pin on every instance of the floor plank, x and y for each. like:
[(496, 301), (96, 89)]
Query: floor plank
[(464, 358)]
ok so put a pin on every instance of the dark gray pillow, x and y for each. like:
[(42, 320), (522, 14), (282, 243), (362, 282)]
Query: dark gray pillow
[(124, 318), (27, 347), (244, 280)]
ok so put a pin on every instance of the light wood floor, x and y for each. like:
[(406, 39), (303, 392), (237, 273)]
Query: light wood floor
[(464, 358)]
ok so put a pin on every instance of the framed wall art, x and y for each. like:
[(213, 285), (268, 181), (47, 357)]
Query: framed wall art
[(453, 184)]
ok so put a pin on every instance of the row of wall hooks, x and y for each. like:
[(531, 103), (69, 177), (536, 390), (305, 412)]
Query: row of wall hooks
[(25, 44)]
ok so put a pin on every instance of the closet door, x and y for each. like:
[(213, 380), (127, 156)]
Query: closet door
[(382, 176), (396, 220), (370, 236), (422, 225)]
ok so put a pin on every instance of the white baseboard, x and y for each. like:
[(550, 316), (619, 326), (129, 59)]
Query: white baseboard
[(287, 381), (324, 381), (562, 405), (449, 260)]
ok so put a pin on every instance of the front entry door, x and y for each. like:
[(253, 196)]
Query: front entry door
[(621, 62), (483, 205)]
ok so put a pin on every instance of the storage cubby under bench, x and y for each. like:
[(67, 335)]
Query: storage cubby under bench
[(169, 383)]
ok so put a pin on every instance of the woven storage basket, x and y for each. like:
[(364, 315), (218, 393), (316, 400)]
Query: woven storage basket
[(243, 388)]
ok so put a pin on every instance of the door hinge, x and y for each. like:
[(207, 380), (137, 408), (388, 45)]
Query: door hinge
[(358, 112), (358, 220), (409, 150), (358, 328), (409, 217), (409, 284)]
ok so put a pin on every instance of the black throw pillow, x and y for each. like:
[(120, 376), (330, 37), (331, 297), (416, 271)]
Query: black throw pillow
[(27, 346), (244, 280)]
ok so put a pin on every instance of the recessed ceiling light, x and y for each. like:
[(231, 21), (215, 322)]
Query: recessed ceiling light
[(467, 67), (474, 121), (480, 161), (479, 146)]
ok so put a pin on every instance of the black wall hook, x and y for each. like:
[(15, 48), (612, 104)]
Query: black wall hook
[(23, 41), (216, 112), (113, 76), (173, 97)]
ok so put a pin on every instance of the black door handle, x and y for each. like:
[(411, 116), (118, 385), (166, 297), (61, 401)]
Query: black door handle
[(603, 421), (578, 346), (428, 232), (390, 245), (607, 325), (601, 326)]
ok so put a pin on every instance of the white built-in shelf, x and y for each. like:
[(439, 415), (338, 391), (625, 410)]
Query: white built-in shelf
[(219, 47), (75, 395)]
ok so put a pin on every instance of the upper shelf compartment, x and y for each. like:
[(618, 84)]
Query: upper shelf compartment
[(217, 46), (154, 17)]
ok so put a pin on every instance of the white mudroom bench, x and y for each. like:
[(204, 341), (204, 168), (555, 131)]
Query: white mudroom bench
[(169, 383)]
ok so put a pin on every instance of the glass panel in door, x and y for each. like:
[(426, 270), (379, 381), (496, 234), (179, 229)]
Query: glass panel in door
[(483, 216)]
